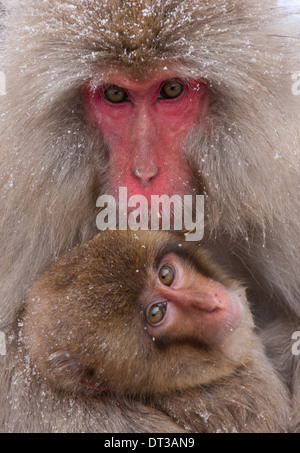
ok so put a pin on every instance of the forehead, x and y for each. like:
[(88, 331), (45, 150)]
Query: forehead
[(138, 34), (126, 78)]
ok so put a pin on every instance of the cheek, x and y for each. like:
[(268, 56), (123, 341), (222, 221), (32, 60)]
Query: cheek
[(175, 120), (113, 122)]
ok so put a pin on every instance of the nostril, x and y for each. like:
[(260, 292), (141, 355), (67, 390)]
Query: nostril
[(146, 175)]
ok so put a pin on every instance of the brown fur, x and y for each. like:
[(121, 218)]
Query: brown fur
[(83, 328), (53, 166)]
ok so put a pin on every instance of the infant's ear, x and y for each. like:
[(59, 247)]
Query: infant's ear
[(64, 370), (67, 373)]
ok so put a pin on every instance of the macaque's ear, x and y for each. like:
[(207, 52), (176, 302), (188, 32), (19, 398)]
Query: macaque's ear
[(67, 372)]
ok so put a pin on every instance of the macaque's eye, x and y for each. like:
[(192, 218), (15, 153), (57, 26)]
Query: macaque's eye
[(171, 90), (156, 313), (115, 94), (167, 274)]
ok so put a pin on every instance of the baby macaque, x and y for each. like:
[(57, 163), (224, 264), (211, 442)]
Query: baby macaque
[(147, 317)]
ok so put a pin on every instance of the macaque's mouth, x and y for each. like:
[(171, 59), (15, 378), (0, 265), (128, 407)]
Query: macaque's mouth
[(235, 316)]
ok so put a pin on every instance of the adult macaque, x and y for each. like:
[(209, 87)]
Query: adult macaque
[(162, 97), (142, 318)]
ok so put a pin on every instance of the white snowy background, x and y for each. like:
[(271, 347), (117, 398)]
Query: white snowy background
[(290, 6)]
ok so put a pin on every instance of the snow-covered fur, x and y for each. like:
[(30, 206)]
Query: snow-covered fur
[(53, 166)]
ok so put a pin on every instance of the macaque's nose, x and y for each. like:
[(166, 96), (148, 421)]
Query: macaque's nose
[(146, 175)]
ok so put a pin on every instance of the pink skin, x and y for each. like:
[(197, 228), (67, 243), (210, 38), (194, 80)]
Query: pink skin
[(146, 135), (196, 307)]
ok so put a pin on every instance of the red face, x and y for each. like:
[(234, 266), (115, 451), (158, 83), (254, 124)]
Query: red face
[(145, 125), (186, 304)]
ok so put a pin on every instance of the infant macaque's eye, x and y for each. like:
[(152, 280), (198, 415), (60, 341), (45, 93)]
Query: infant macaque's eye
[(167, 274), (156, 313)]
